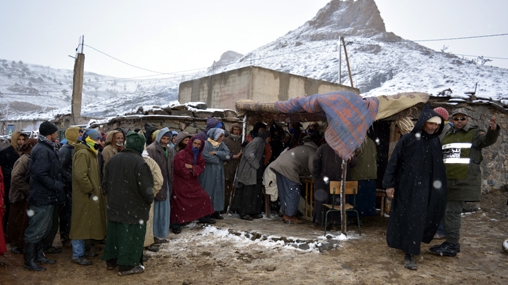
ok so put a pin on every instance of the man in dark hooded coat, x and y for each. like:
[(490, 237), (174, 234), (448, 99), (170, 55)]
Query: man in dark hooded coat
[(415, 179)]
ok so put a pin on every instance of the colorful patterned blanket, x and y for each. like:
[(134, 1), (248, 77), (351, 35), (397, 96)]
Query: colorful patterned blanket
[(349, 117)]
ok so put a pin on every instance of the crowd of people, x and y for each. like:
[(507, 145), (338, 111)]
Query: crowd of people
[(128, 190)]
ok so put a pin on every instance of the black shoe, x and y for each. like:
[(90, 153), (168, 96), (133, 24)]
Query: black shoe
[(82, 261), (52, 249), (160, 240), (246, 217), (111, 264), (258, 216), (17, 250), (217, 216), (153, 247), (409, 262), (440, 245), (446, 249), (176, 230), (40, 257), (134, 270), (206, 220)]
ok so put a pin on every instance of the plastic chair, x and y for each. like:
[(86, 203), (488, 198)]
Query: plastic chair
[(351, 188)]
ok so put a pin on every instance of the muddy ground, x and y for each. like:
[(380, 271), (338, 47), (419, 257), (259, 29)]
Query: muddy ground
[(267, 251)]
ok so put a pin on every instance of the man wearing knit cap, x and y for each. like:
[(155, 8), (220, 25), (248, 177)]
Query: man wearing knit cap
[(46, 192), (462, 151), (416, 181), (128, 182), (88, 219)]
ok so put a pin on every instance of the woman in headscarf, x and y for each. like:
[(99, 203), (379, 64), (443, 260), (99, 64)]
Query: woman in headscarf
[(189, 201), (212, 179), (18, 196), (115, 142), (181, 140)]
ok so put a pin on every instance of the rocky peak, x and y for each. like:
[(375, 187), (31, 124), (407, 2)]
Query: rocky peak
[(227, 58), (345, 17)]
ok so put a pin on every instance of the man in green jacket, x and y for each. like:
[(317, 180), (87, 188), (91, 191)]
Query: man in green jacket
[(462, 154)]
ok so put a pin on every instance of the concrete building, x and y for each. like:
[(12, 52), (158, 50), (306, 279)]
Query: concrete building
[(255, 83)]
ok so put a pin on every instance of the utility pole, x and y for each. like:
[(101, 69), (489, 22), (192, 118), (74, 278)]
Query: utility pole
[(347, 61), (340, 61), (77, 80)]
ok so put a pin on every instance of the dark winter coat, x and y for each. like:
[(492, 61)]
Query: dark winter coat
[(65, 155), (46, 183), (468, 188), (128, 182), (88, 200), (189, 201), (416, 171)]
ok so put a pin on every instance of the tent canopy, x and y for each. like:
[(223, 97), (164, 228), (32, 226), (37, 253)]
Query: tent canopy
[(349, 115)]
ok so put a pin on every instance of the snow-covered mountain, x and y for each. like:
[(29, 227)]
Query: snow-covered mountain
[(381, 63)]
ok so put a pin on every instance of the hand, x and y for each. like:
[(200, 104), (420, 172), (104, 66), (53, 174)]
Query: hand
[(188, 166), (390, 192), (212, 153), (493, 124)]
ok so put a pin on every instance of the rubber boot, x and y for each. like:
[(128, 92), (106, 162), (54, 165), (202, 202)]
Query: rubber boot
[(40, 257), (29, 255)]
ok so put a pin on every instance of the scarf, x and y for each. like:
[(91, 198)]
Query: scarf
[(214, 143), (195, 152), (91, 144)]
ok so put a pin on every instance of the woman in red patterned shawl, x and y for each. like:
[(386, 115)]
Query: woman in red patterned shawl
[(189, 201)]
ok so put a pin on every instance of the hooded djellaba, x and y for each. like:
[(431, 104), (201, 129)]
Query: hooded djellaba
[(18, 197), (189, 201), (249, 179), (88, 200), (8, 157), (417, 173), (212, 179)]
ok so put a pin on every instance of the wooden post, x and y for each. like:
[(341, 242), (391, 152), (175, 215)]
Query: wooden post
[(77, 88), (343, 214), (347, 61)]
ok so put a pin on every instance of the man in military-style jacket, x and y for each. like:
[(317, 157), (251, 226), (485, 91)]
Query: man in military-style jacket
[(462, 153)]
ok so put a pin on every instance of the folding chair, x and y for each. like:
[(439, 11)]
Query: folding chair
[(351, 188)]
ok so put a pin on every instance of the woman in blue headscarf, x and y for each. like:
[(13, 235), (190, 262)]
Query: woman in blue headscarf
[(212, 179)]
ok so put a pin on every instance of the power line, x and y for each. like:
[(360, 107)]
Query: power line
[(124, 61), (462, 38)]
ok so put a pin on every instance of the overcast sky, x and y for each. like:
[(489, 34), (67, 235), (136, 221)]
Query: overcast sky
[(173, 36)]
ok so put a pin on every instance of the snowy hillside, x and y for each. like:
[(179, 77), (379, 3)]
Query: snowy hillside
[(32, 91), (381, 63)]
